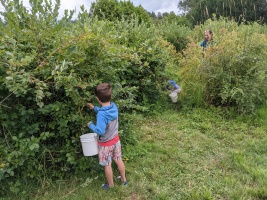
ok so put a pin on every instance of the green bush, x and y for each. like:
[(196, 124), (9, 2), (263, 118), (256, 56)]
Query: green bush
[(176, 34), (49, 70), (232, 72)]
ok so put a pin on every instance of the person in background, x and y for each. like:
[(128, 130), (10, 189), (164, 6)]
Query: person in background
[(106, 127), (174, 89), (207, 40)]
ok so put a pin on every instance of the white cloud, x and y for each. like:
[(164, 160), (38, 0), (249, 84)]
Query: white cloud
[(74, 5), (158, 6), (149, 5), (169, 6), (65, 5)]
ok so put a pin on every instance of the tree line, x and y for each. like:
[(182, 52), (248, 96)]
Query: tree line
[(198, 11), (195, 11)]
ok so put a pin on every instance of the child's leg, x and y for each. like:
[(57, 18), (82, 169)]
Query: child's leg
[(109, 175), (121, 169), (118, 160), (105, 159)]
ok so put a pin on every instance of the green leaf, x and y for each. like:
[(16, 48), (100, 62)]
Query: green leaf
[(9, 54), (9, 78), (14, 138)]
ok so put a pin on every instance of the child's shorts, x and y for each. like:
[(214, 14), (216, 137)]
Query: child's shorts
[(106, 154)]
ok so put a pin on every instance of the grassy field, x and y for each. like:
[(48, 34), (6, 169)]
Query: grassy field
[(198, 154)]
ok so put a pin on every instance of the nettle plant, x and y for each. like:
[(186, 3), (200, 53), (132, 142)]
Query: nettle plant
[(49, 69), (232, 72)]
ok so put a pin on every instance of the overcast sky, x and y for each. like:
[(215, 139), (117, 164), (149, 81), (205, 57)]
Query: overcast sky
[(149, 5)]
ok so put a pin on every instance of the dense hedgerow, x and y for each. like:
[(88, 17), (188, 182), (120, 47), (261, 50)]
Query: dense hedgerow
[(232, 72), (49, 69)]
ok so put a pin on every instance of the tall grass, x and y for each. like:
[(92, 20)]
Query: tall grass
[(197, 154)]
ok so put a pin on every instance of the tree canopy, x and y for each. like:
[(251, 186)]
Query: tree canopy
[(117, 10)]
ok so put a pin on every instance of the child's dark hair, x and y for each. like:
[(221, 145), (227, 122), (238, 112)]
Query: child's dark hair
[(103, 92)]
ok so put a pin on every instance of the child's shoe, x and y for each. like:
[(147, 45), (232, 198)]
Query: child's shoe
[(105, 186), (125, 183)]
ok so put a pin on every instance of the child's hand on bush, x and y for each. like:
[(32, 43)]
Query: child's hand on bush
[(91, 106)]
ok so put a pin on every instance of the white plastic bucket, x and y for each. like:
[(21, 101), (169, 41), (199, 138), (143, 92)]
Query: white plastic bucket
[(174, 97), (89, 144)]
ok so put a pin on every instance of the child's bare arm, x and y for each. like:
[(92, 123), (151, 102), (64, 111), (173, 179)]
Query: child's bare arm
[(91, 106)]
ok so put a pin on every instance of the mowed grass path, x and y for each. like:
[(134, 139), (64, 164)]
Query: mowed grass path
[(182, 155)]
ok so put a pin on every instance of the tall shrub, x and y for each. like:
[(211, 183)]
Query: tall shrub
[(176, 34), (232, 72), (49, 70)]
